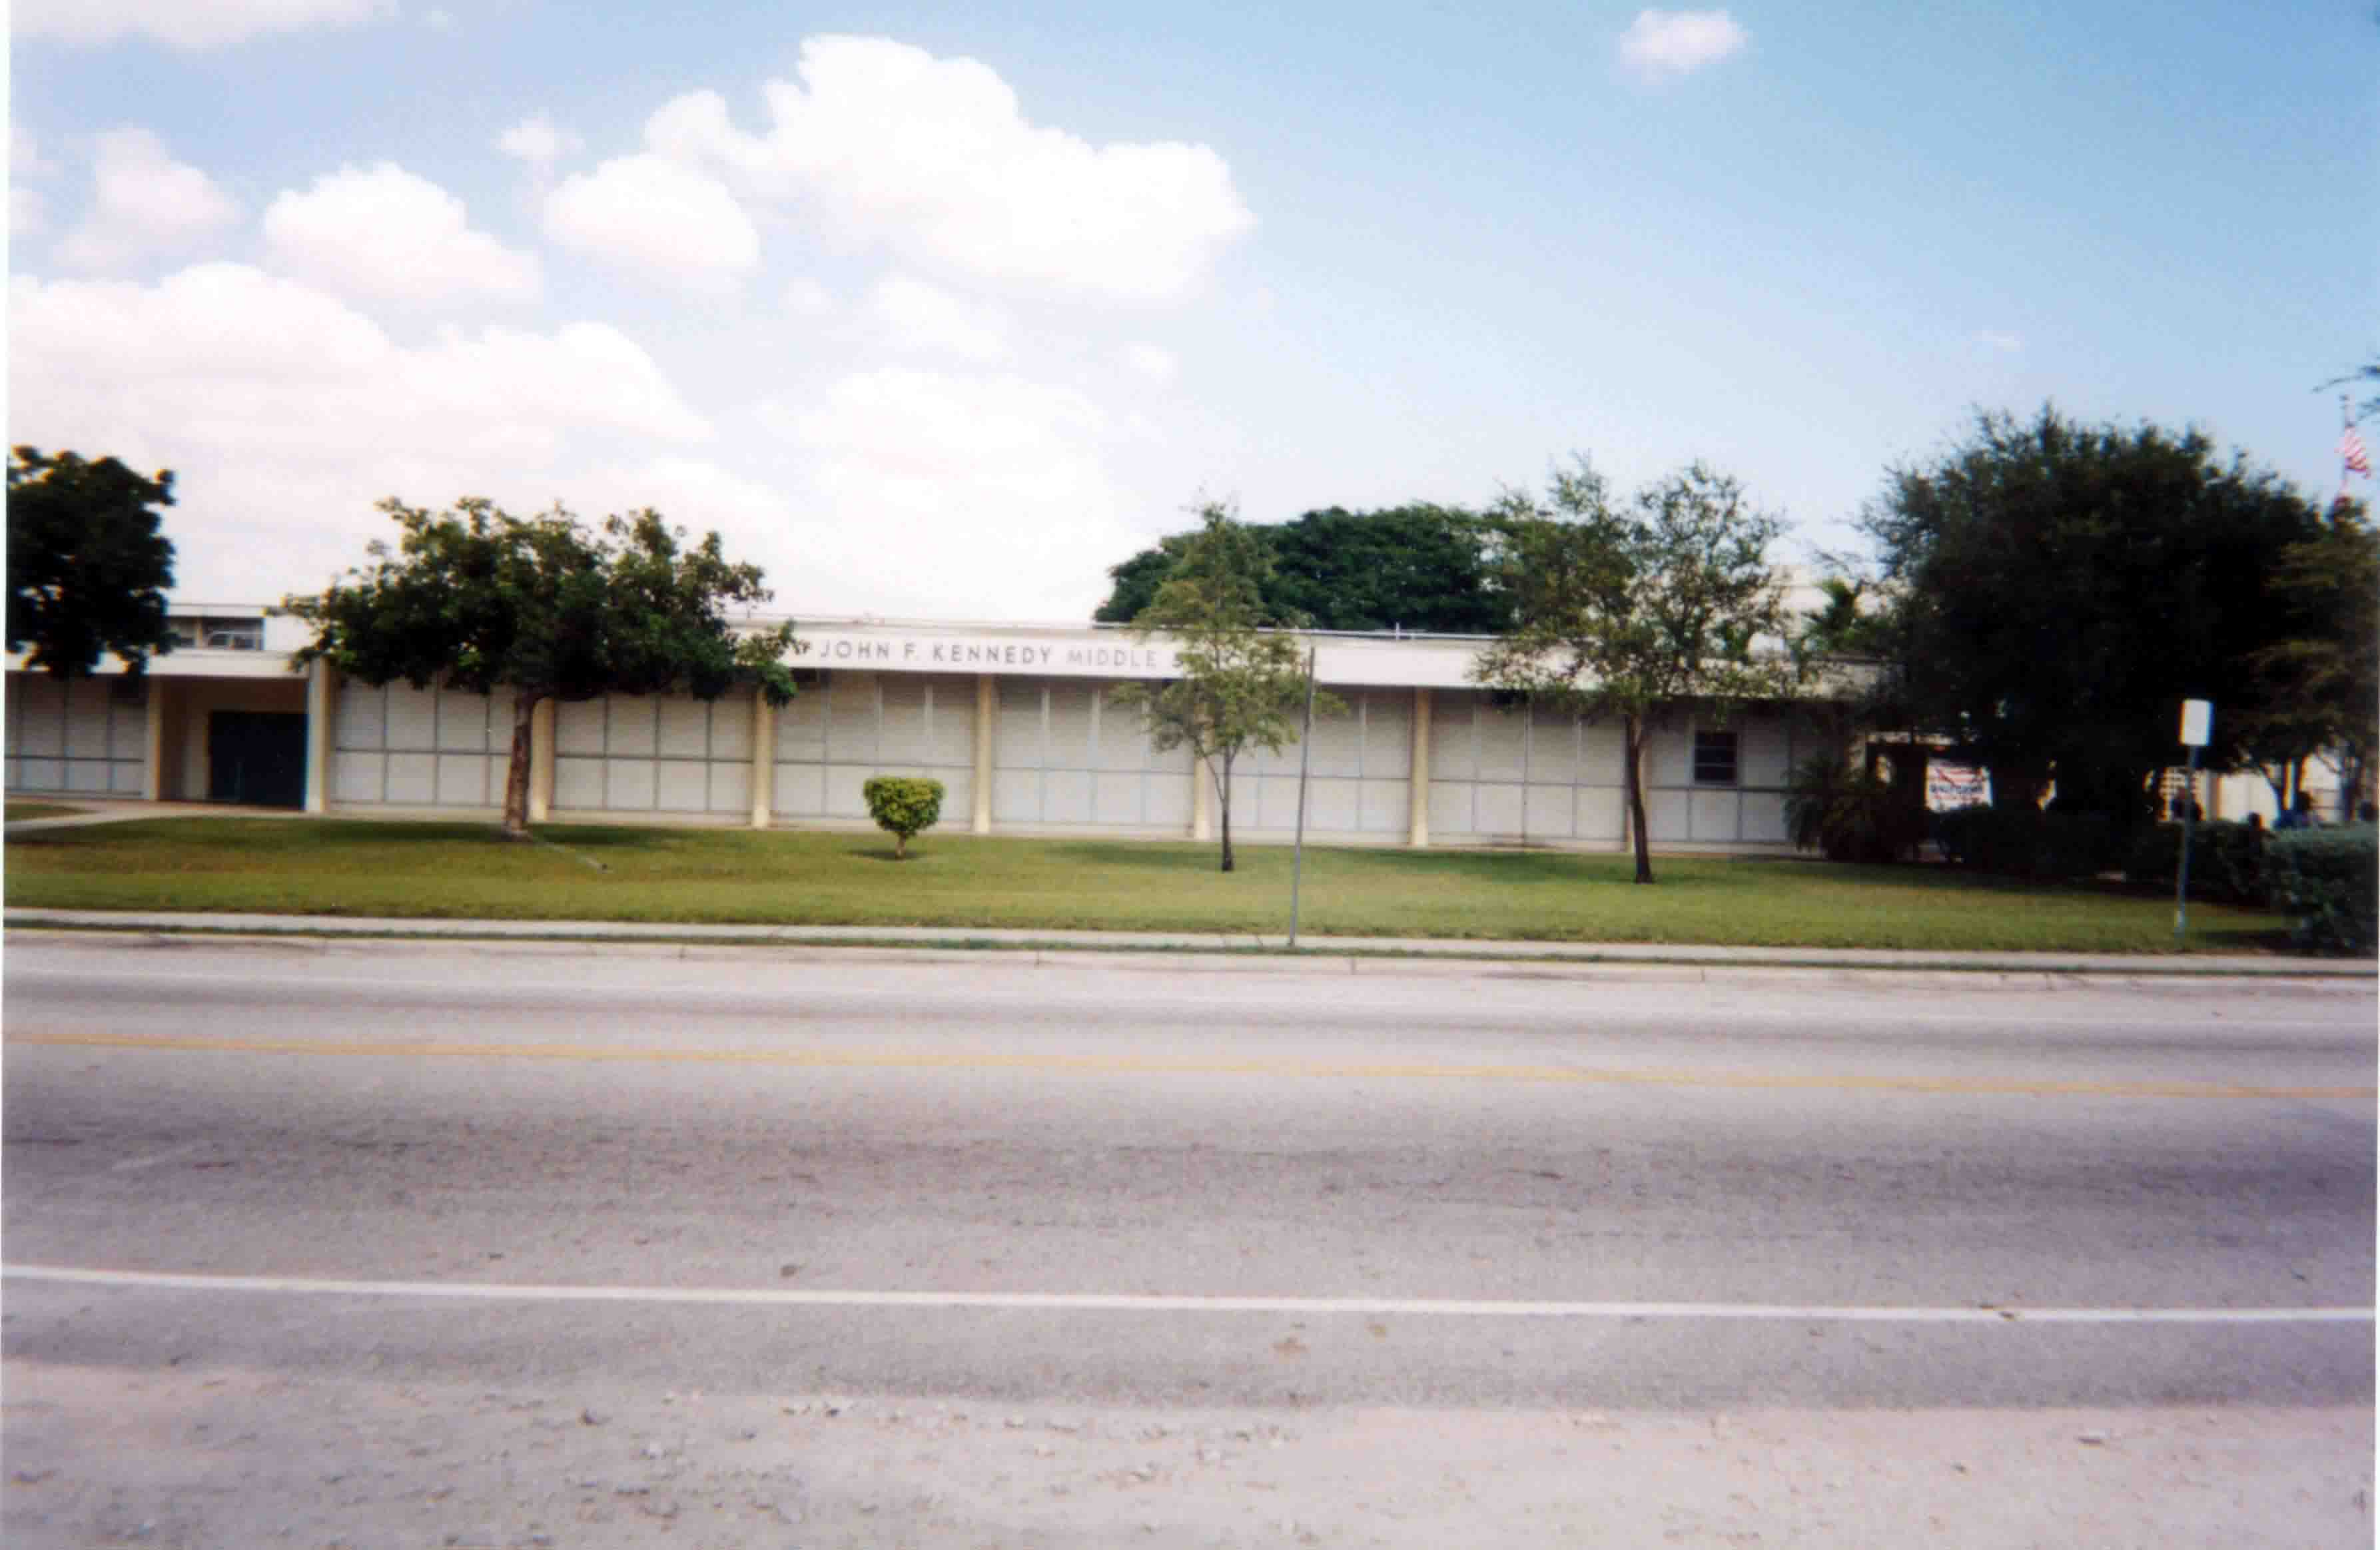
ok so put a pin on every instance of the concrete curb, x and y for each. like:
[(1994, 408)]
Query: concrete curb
[(1187, 951)]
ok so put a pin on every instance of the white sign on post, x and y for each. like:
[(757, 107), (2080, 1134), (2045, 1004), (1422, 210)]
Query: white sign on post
[(2197, 720)]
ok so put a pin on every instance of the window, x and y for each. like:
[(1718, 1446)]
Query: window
[(218, 634), (1714, 758)]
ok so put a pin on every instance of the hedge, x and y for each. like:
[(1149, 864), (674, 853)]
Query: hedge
[(2226, 860), (2023, 842), (2328, 879)]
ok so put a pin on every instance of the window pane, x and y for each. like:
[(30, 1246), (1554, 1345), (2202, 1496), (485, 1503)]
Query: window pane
[(1715, 759)]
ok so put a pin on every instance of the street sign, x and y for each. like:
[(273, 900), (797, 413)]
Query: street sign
[(2197, 720)]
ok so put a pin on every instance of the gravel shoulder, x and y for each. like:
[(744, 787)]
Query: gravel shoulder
[(231, 1456)]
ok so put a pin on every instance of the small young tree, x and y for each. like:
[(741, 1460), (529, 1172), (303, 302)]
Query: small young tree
[(88, 562), (1241, 686), (480, 599), (902, 806), (1623, 613)]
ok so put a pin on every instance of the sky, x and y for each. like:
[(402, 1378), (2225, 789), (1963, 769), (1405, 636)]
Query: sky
[(940, 310)]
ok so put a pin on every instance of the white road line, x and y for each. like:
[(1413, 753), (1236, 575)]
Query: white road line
[(1126, 1302)]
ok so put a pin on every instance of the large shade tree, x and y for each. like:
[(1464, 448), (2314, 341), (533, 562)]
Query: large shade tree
[(89, 563), (1622, 612), (1241, 684), (2060, 588), (480, 599), (1413, 567)]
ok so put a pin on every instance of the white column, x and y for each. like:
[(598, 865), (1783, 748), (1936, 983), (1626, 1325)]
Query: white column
[(318, 736), (986, 722), (1417, 798), (540, 760), (764, 759), (1202, 800), (153, 770)]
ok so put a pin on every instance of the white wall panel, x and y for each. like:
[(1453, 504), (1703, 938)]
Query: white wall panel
[(1760, 750), (950, 737), (731, 725), (628, 784), (851, 721), (801, 726), (128, 729), (1016, 741), (1503, 738), (16, 768), (1388, 732), (462, 780), (578, 783), (359, 719), (1598, 813), (412, 719), (682, 728), (413, 778), (1065, 796), (1764, 817), (1069, 745), (1165, 800), (42, 774), (1713, 816), (1453, 738), (901, 735), (629, 724), (1115, 798), (681, 785), (462, 721), (1015, 796), (1338, 744), (1668, 757), (1553, 750), (1387, 807), (87, 724), (87, 775), (1278, 805), (1548, 810), (1496, 808), (845, 799), (799, 791), (1665, 816), (1449, 808), (356, 777), (1334, 806), (731, 787), (578, 728), (126, 778), (1603, 753)]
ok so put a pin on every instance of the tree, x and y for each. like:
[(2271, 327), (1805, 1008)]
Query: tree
[(1414, 567), (1241, 684), (88, 561), (2319, 683), (2058, 589), (1622, 613), (477, 599), (902, 806)]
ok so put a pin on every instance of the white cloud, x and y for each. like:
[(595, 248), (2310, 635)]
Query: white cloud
[(537, 141), (188, 24), (912, 316), (667, 220), (144, 201), (27, 216), (933, 159), (1153, 361), (383, 232), (285, 412), (25, 158), (921, 483), (1662, 45), (804, 297)]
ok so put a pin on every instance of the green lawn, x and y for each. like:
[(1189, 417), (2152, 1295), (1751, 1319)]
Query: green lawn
[(739, 877), (17, 811)]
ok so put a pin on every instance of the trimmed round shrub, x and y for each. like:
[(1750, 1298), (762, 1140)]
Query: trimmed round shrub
[(902, 806)]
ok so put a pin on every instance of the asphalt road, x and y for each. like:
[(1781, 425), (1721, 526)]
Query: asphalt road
[(966, 1180)]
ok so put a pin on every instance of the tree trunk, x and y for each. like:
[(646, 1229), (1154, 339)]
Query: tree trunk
[(1223, 810), (1635, 744), (900, 846), (517, 772)]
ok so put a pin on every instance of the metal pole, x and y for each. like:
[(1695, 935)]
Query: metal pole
[(2181, 873), (1305, 755)]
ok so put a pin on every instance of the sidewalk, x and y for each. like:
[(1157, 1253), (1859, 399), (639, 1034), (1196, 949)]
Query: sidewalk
[(1232, 948)]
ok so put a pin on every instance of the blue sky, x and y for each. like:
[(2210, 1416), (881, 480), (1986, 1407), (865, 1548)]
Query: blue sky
[(940, 311)]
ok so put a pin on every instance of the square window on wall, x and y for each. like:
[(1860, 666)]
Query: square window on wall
[(1715, 759)]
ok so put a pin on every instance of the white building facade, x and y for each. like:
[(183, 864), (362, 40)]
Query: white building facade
[(1017, 722)]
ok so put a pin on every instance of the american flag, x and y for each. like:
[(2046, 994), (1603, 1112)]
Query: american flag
[(2351, 453)]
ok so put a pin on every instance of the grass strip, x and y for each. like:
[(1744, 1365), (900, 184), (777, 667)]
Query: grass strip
[(732, 878)]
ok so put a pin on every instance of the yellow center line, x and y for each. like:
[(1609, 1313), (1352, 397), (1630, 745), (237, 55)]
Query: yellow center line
[(1137, 1065)]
